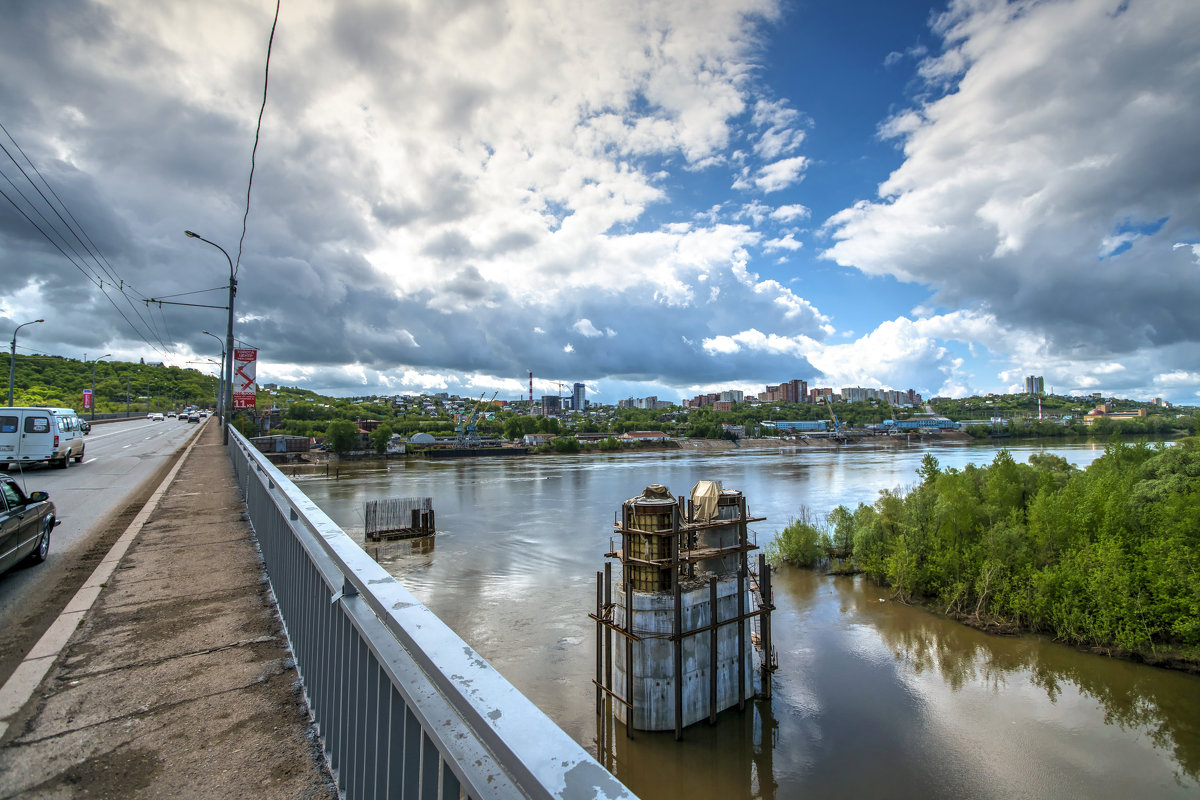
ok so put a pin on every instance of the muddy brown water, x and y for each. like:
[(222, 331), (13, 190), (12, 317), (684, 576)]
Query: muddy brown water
[(872, 697)]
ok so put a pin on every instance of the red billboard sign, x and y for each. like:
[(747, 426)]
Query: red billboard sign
[(87, 399), (244, 388)]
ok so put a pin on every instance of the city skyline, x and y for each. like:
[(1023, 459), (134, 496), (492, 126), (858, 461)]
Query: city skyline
[(651, 199)]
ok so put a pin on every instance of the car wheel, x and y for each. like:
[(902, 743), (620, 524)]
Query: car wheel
[(43, 546), (65, 462), (79, 458)]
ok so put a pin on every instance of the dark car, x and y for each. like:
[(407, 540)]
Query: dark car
[(85, 426), (25, 525)]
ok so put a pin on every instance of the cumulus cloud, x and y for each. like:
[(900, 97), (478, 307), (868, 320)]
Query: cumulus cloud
[(1047, 175), (780, 134), (791, 212), (429, 180), (436, 181), (585, 327), (787, 242), (773, 177)]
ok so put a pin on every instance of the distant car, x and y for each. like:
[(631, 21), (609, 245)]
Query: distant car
[(170, 413), (25, 525), (193, 417), (156, 417), (85, 426)]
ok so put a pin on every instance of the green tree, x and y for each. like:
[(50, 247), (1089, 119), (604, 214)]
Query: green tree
[(380, 438), (341, 435)]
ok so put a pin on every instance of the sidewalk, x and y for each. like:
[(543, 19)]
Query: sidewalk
[(176, 683)]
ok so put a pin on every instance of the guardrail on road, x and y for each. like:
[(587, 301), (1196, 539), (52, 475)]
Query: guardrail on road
[(404, 707)]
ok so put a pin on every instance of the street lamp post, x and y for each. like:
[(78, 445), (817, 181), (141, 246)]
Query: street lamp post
[(221, 390), (106, 355), (12, 357), (228, 339)]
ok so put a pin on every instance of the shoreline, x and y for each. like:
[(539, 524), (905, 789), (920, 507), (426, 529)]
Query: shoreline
[(815, 443)]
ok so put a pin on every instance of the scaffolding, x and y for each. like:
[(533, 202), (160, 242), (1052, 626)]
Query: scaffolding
[(673, 551)]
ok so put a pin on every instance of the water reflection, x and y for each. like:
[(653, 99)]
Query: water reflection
[(732, 759), (1163, 705), (403, 554)]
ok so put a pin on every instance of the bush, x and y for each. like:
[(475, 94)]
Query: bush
[(802, 543), (565, 444)]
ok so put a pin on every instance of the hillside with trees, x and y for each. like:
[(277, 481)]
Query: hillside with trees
[(60, 382)]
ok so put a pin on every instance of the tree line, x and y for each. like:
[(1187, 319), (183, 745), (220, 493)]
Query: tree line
[(119, 385), (1106, 557)]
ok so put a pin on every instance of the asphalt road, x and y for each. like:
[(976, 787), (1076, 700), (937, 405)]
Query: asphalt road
[(95, 499)]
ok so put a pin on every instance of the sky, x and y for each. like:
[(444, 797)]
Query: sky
[(650, 198)]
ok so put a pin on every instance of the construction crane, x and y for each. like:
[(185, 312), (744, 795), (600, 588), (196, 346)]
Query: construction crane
[(838, 436), (465, 434)]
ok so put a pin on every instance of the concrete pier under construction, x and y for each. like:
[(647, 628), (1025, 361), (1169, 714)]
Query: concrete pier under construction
[(678, 644)]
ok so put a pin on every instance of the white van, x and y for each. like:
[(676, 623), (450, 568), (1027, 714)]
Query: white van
[(32, 434)]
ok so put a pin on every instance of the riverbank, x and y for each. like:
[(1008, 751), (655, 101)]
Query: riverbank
[(727, 445), (1162, 657)]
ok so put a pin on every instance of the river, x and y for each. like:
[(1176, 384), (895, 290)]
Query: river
[(872, 697)]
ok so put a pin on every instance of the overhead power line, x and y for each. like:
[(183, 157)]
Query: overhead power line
[(257, 131), (100, 275)]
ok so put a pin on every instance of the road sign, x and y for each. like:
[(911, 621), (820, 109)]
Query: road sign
[(87, 399)]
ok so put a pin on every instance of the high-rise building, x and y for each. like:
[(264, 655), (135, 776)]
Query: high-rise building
[(1034, 384), (855, 394), (794, 391), (579, 398)]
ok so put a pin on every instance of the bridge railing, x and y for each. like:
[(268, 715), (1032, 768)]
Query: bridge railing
[(404, 707)]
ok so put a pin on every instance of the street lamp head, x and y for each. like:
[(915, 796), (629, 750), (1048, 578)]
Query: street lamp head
[(192, 235)]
